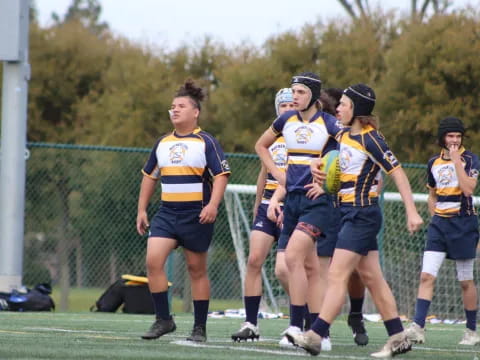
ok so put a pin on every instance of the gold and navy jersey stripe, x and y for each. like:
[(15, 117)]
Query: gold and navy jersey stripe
[(278, 151), (186, 165), (362, 157), (442, 176), (305, 140)]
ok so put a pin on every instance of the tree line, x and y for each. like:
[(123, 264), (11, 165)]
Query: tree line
[(90, 86)]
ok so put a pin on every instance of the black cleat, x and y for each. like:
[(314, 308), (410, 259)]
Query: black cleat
[(199, 334), (360, 336), (247, 331), (160, 327)]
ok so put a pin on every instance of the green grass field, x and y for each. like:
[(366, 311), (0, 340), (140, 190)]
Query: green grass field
[(117, 336)]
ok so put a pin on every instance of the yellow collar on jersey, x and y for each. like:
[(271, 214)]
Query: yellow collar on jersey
[(196, 131)]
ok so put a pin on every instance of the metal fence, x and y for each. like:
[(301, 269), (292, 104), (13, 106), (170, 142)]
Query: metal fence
[(80, 217)]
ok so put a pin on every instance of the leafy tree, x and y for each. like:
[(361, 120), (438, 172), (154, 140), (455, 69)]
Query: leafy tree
[(67, 64), (355, 51), (85, 11), (360, 9), (431, 73)]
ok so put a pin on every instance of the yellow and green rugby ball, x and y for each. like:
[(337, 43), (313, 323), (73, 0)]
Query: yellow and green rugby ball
[(331, 166)]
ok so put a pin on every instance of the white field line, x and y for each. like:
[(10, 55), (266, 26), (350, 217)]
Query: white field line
[(298, 352), (476, 351), (68, 330)]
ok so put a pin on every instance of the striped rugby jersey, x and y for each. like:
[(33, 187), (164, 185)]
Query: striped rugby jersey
[(305, 140), (186, 165), (361, 158), (278, 151), (442, 177)]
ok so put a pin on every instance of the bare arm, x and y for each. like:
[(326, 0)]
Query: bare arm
[(209, 212), (414, 221), (262, 176), (274, 208), (466, 183), (317, 172), (432, 200), (380, 184), (147, 188), (261, 147)]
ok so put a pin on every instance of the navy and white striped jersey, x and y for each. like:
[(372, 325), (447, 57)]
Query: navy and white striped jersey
[(186, 166)]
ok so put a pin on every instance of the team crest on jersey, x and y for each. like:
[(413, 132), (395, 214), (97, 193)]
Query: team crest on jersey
[(177, 153), (445, 175), (225, 165), (344, 158), (279, 155), (388, 155), (303, 134)]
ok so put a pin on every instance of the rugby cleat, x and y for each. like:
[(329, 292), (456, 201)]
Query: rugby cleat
[(396, 344), (470, 337), (160, 327), (309, 341), (199, 334), (360, 336), (247, 331), (415, 333), (326, 344), (284, 341)]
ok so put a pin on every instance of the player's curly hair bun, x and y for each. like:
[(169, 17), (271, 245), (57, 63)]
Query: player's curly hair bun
[(192, 91)]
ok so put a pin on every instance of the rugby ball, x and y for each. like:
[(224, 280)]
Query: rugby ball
[(331, 166)]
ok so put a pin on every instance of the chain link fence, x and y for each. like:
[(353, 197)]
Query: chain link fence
[(80, 232)]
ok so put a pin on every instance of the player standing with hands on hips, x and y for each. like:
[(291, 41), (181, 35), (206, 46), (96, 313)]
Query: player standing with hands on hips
[(186, 160), (363, 153), (453, 230)]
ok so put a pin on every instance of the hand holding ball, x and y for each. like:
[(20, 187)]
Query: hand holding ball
[(331, 166)]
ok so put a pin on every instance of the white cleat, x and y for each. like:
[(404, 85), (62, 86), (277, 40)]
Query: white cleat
[(247, 331), (284, 340), (415, 333), (309, 341), (470, 337), (326, 344), (396, 344)]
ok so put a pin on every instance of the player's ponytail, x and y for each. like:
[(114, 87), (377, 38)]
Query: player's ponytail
[(371, 120), (195, 93)]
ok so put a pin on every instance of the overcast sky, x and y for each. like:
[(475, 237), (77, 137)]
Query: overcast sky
[(171, 23)]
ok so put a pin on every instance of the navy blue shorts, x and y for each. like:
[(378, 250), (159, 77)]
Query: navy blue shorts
[(264, 224), (359, 228), (309, 216), (183, 226), (326, 247), (457, 236)]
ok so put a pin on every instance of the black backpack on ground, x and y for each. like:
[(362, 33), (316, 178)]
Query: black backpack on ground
[(111, 299), (36, 299), (136, 298)]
